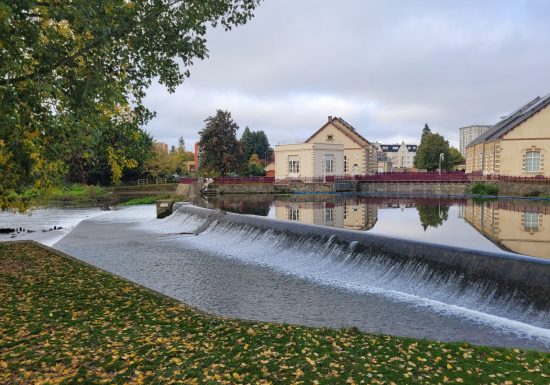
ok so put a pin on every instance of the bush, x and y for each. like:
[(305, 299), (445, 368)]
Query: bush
[(484, 189)]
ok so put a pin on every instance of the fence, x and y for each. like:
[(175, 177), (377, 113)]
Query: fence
[(510, 178), (234, 180)]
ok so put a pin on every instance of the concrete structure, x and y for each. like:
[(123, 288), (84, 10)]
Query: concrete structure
[(308, 160), (468, 134), (515, 146), (334, 149), (401, 155)]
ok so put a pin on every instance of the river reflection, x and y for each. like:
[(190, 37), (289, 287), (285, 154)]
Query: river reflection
[(516, 226)]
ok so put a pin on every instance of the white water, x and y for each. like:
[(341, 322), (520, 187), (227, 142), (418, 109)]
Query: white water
[(40, 223), (339, 266)]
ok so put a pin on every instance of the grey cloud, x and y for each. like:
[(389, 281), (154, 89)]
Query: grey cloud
[(386, 67)]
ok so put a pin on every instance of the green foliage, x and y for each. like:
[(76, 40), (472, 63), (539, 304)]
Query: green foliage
[(74, 75), (69, 323), (480, 188), (455, 157), (432, 216), (425, 131), (74, 194), (221, 152), (429, 150), (256, 142), (255, 167), (165, 164)]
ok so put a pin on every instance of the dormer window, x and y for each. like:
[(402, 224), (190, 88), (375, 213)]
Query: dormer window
[(330, 138)]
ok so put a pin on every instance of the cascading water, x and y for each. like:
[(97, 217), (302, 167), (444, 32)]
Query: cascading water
[(265, 269), (316, 255)]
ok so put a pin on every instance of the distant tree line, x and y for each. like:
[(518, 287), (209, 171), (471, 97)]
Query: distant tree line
[(221, 153)]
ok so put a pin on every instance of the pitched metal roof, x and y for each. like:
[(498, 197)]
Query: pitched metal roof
[(513, 120)]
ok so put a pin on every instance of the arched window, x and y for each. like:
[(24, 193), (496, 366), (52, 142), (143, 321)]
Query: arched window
[(532, 161)]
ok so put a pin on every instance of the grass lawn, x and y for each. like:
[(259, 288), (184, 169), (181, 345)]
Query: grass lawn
[(65, 322), (143, 200)]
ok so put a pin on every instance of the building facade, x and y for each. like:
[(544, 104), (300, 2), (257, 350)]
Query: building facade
[(468, 134), (334, 149), (308, 160), (515, 146), (401, 156)]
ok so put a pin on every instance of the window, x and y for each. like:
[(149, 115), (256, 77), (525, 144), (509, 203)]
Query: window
[(293, 214), (329, 216), (329, 163), (532, 161), (293, 165), (530, 222), (330, 138), (345, 164)]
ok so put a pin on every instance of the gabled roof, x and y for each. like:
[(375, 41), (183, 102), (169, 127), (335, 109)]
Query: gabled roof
[(513, 120), (346, 128)]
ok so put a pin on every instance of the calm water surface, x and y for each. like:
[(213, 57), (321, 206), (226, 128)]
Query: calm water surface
[(505, 226)]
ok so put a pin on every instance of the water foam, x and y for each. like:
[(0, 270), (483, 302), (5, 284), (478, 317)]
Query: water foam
[(331, 263)]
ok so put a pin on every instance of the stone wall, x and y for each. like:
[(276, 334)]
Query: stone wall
[(268, 188), (252, 188), (522, 189), (415, 188)]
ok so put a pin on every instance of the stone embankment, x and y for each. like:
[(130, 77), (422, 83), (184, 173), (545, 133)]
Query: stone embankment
[(522, 189), (415, 188)]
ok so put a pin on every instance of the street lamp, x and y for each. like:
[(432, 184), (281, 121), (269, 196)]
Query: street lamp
[(441, 158)]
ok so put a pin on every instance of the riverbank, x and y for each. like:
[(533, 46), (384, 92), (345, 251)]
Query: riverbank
[(63, 320)]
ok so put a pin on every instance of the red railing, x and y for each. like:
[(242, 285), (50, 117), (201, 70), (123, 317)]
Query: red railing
[(509, 178), (410, 177), (244, 180), (234, 180)]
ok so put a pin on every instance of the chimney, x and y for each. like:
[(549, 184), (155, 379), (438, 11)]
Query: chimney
[(329, 118)]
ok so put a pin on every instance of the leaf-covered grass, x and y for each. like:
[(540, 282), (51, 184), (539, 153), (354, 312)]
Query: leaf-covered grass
[(142, 201), (62, 321)]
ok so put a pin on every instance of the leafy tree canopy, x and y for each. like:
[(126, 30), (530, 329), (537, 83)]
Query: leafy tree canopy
[(432, 216), (221, 152), (74, 74), (256, 142), (255, 166), (426, 130), (429, 150), (455, 157)]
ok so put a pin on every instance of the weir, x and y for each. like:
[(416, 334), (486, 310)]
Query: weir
[(500, 284)]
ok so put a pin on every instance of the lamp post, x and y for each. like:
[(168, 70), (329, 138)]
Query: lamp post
[(441, 158)]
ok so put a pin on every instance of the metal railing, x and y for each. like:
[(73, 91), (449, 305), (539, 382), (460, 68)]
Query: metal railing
[(233, 180), (541, 179)]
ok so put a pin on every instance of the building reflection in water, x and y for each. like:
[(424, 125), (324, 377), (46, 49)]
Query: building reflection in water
[(349, 214), (519, 226)]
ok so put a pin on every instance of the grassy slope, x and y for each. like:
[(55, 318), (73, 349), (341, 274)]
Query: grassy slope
[(79, 194), (65, 322)]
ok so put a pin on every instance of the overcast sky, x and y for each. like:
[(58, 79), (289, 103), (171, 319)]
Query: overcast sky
[(385, 66)]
